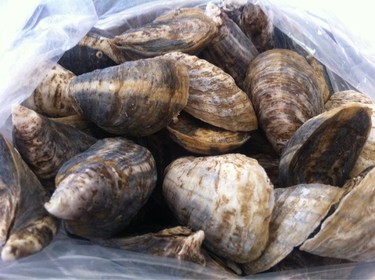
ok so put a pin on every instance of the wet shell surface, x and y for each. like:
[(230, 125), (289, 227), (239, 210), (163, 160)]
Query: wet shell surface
[(177, 242), (325, 148), (214, 96), (44, 144), (25, 226), (298, 211), (349, 233), (51, 97), (187, 30), (367, 156), (201, 138), (135, 98), (99, 191), (230, 49), (285, 93), (229, 197)]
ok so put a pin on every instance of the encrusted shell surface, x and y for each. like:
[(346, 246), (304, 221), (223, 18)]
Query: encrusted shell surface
[(325, 148), (349, 233), (25, 226), (135, 98), (298, 211), (51, 97), (229, 197), (187, 30), (201, 138), (99, 191), (230, 49), (214, 96), (285, 93), (44, 144), (367, 156)]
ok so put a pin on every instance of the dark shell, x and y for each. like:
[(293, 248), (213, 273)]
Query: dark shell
[(325, 148), (135, 98), (98, 192)]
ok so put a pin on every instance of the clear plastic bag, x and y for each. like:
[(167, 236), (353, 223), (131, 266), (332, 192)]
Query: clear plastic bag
[(46, 28)]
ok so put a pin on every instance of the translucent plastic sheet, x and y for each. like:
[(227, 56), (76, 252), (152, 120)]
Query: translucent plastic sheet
[(36, 37)]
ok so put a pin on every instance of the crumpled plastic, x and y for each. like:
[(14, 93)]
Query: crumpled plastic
[(35, 37)]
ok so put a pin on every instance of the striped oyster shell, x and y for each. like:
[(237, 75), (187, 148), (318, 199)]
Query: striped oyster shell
[(297, 213), (285, 93), (135, 98), (229, 197), (99, 191), (348, 233), (214, 96)]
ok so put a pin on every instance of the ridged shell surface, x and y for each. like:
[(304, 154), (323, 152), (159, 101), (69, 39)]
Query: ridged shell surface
[(214, 96), (285, 93), (99, 191), (229, 197), (135, 98)]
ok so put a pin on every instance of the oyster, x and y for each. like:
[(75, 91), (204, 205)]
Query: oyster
[(367, 156), (177, 242), (94, 51), (214, 97), (285, 93), (325, 148), (135, 98), (348, 233), (44, 144), (99, 191), (51, 97), (201, 138), (298, 211), (187, 30), (25, 227), (230, 49), (229, 197)]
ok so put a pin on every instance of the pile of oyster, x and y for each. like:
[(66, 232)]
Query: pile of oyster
[(203, 134)]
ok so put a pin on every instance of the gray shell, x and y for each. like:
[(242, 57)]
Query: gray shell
[(99, 191)]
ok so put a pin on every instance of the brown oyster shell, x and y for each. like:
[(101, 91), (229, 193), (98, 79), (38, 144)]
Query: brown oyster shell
[(52, 97), (228, 196), (187, 30), (325, 148), (99, 191), (298, 211), (214, 97), (348, 233), (285, 93), (367, 156), (135, 98), (201, 138)]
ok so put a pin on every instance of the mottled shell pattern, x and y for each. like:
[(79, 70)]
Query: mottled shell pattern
[(99, 191), (285, 93), (229, 197)]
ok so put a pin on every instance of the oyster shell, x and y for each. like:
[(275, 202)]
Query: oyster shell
[(94, 51), (298, 211), (214, 97), (177, 242), (187, 30), (99, 191), (44, 144), (201, 138), (25, 227), (325, 148), (135, 98), (230, 49), (229, 197), (51, 97), (367, 156), (348, 233), (285, 93)]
